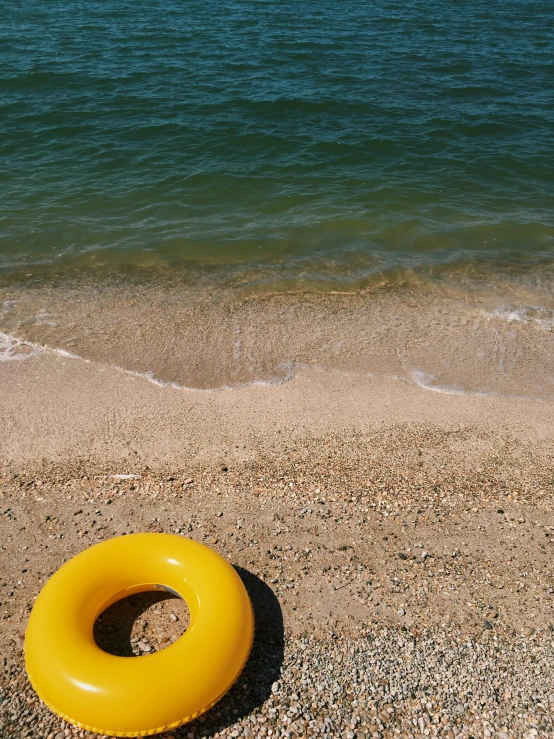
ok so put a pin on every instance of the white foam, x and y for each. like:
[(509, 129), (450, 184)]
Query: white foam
[(425, 380), (536, 315), (12, 348)]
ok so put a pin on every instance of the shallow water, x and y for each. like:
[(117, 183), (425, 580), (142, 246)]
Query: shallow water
[(494, 341), (219, 194), (277, 142)]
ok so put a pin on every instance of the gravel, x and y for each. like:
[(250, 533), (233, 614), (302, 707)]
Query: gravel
[(382, 683)]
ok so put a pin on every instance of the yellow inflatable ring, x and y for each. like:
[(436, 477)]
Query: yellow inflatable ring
[(122, 696)]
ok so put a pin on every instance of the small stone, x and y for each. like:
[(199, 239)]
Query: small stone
[(401, 612), (173, 617), (246, 731), (144, 647), (275, 687), (487, 624)]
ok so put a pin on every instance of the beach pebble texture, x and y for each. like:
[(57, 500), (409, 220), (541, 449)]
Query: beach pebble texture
[(395, 595)]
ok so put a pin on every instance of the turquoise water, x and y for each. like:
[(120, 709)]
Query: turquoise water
[(310, 139)]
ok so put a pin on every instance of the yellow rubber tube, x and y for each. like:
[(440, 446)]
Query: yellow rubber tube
[(123, 696)]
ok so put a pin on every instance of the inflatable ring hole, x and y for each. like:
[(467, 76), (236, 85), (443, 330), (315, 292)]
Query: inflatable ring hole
[(142, 623)]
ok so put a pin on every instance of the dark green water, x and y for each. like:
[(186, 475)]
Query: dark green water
[(294, 140)]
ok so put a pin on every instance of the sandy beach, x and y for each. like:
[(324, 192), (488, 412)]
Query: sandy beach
[(279, 277), (397, 542)]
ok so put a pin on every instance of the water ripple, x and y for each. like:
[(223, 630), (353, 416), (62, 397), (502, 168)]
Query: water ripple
[(242, 131)]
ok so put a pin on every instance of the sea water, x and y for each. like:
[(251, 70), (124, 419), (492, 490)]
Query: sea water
[(309, 139), (270, 148)]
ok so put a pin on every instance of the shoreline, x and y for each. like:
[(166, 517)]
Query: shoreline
[(485, 339), (59, 407)]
